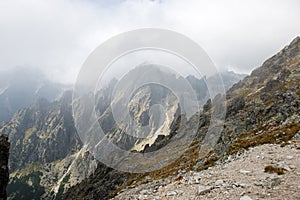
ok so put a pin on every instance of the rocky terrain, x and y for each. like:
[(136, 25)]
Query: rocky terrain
[(240, 176), (261, 109), (49, 160), (4, 172), (46, 154), (42, 133), (51, 180)]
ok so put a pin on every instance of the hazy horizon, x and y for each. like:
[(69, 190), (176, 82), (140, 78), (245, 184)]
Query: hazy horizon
[(57, 36)]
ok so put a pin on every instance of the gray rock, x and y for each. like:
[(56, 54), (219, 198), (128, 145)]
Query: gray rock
[(144, 192), (204, 189), (197, 178), (171, 193), (219, 182), (275, 182), (180, 192), (242, 185), (245, 198), (283, 165), (290, 157), (245, 171)]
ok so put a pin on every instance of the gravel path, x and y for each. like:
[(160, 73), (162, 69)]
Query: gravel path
[(239, 177)]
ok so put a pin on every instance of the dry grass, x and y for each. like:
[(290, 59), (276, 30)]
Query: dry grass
[(186, 162), (298, 92), (272, 169), (229, 132), (277, 135)]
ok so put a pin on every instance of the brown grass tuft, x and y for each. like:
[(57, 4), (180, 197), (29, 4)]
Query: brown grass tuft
[(272, 169)]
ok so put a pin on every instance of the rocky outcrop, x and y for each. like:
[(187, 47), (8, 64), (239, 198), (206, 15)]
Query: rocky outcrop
[(4, 174), (51, 180), (100, 185), (42, 133), (46, 154)]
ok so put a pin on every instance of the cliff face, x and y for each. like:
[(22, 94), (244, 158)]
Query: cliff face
[(4, 175), (46, 154), (42, 133), (51, 180)]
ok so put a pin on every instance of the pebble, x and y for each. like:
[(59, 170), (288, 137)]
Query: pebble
[(219, 182), (144, 192), (204, 189), (245, 198), (171, 193), (283, 165), (292, 166), (245, 171), (180, 192), (275, 182), (243, 185), (197, 179)]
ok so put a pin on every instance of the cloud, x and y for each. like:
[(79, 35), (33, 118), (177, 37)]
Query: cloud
[(57, 36)]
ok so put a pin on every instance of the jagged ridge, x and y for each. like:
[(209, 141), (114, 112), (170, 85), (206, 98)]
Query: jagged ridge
[(263, 108)]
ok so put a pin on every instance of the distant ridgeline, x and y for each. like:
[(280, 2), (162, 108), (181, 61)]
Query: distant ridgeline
[(21, 86), (49, 161)]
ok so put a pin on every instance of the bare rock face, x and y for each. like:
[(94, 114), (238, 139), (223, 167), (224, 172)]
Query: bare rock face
[(42, 133), (51, 180), (46, 154), (4, 174)]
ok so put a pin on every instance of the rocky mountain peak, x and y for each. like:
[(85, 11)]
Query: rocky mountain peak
[(277, 68), (42, 133), (281, 60)]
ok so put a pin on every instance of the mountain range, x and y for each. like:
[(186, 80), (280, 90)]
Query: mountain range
[(49, 160), (263, 108), (44, 139)]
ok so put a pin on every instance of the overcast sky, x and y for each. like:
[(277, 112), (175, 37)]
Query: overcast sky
[(58, 35)]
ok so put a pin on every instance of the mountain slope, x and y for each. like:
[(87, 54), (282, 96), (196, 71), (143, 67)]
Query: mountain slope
[(46, 155), (262, 108), (51, 180), (242, 176), (42, 133)]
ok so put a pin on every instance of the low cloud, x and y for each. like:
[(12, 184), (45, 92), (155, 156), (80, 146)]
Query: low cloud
[(57, 36)]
